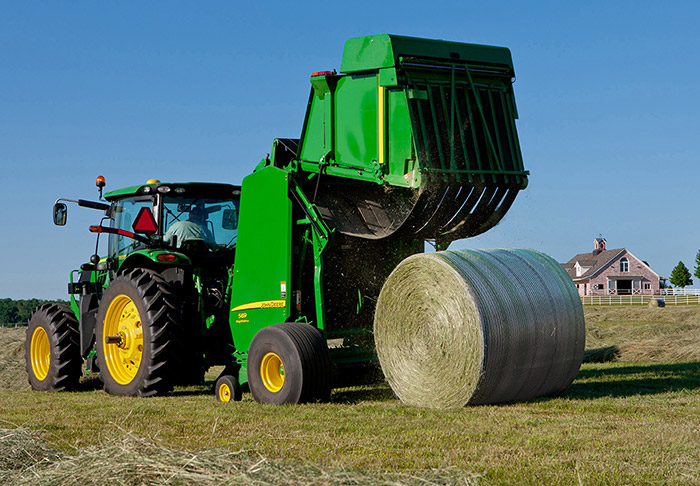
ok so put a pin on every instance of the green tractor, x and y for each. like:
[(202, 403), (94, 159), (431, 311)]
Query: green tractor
[(413, 141)]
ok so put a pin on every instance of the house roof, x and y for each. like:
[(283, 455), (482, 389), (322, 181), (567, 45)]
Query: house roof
[(595, 260)]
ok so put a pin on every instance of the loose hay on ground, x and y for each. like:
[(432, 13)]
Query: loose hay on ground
[(130, 460), (641, 333), (21, 450), (13, 375)]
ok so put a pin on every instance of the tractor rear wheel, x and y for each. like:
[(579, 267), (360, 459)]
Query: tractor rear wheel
[(139, 335), (289, 363), (52, 349)]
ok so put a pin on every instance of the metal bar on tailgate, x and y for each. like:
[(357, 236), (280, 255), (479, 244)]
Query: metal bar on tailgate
[(472, 129), (496, 128), (453, 163), (462, 142), (492, 151), (436, 127)]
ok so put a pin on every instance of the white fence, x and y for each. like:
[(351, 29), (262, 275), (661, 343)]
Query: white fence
[(639, 299), (680, 291)]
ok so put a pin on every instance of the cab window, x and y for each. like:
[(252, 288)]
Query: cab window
[(213, 220), (125, 214)]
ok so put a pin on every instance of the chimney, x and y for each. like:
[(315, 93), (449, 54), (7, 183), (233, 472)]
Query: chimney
[(599, 245)]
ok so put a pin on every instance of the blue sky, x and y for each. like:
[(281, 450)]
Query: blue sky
[(608, 95)]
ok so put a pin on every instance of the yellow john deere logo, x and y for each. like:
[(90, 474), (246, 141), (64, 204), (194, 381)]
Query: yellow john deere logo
[(264, 304)]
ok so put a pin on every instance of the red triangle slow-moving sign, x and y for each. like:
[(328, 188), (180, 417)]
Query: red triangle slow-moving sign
[(145, 222)]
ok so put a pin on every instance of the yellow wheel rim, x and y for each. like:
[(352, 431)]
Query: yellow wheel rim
[(123, 357), (40, 353), (224, 393), (272, 372)]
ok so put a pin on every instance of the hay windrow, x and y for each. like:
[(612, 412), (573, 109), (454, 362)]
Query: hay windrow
[(128, 460), (13, 375), (477, 326), (21, 450)]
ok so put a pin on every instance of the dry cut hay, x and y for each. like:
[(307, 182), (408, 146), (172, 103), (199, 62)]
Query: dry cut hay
[(642, 333), (478, 326), (13, 375), (21, 450), (131, 460)]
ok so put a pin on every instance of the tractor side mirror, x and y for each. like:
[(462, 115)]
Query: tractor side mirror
[(60, 214), (230, 219)]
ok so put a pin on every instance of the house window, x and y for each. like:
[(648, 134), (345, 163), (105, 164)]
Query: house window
[(624, 265), (611, 284), (647, 286)]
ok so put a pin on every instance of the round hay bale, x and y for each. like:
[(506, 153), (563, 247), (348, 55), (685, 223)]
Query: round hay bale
[(657, 303), (478, 326)]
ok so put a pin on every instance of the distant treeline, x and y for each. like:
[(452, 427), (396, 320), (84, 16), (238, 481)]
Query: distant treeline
[(19, 311)]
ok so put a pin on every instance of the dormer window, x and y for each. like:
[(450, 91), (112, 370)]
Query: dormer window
[(624, 265)]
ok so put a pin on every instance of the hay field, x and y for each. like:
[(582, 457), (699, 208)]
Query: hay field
[(635, 420), (644, 333)]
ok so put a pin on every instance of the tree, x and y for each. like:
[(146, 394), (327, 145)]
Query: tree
[(19, 311), (680, 276), (697, 265), (8, 311)]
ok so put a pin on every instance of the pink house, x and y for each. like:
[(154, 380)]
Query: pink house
[(611, 272)]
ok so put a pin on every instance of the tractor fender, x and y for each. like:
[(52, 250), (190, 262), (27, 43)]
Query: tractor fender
[(162, 261)]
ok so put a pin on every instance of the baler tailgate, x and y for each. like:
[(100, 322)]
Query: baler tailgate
[(415, 138), (464, 128)]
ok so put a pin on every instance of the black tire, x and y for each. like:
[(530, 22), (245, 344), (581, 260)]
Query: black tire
[(227, 389), (53, 328), (300, 354), (145, 360)]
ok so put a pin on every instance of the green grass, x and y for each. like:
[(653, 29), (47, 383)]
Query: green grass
[(624, 422), (619, 423)]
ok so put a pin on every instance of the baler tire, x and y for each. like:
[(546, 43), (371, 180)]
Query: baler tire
[(289, 363), (227, 389), (52, 349), (143, 309)]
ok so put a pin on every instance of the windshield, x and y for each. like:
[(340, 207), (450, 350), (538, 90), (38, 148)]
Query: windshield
[(211, 220), (125, 212)]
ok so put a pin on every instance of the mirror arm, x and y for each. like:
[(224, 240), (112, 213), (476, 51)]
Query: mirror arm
[(66, 200)]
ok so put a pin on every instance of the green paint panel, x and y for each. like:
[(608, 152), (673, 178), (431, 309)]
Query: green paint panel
[(448, 108), (317, 129), (178, 260), (399, 140), (356, 120), (381, 51), (262, 271)]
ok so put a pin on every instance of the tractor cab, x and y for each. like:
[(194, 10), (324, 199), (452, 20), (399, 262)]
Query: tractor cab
[(199, 220)]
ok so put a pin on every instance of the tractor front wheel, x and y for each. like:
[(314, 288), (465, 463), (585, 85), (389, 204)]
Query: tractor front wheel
[(52, 349), (227, 389), (289, 363), (138, 335)]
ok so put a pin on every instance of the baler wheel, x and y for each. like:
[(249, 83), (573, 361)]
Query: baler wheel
[(139, 335), (289, 363), (227, 389), (52, 349)]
